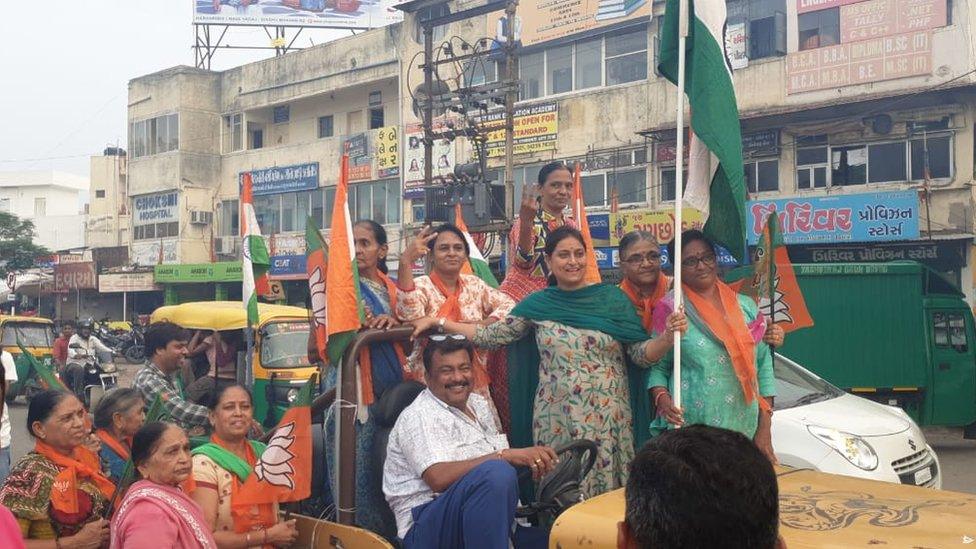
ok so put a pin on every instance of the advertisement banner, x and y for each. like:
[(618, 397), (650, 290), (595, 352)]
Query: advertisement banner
[(155, 208), (342, 14), (287, 244), (388, 152), (869, 217), (599, 228), (443, 155), (74, 276), (538, 21), (152, 252), (284, 179), (879, 18), (225, 271), (659, 223), (127, 282), (536, 128), (360, 162), (804, 6), (288, 267), (735, 45), (873, 60)]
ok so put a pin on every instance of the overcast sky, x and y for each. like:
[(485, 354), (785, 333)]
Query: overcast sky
[(65, 66)]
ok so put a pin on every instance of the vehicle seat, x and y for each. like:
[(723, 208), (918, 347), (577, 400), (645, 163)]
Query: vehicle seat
[(385, 412)]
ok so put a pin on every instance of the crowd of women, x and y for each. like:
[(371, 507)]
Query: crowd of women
[(559, 358)]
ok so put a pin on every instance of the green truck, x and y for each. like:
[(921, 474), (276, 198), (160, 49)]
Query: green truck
[(898, 333)]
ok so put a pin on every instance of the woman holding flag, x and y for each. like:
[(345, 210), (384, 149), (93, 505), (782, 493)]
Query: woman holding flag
[(575, 382), (221, 466), (643, 281), (58, 492), (447, 294)]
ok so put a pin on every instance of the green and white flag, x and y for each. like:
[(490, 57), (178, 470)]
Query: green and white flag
[(477, 264), (254, 254), (716, 182)]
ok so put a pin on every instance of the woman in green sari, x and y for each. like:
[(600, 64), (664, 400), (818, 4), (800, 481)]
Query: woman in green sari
[(577, 366)]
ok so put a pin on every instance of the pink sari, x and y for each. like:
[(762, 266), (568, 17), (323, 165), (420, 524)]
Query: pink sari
[(155, 515)]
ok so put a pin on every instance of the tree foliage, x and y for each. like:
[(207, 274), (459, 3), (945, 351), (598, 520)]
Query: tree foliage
[(17, 249)]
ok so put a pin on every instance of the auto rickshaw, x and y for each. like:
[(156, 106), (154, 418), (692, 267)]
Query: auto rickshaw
[(37, 336), (279, 365)]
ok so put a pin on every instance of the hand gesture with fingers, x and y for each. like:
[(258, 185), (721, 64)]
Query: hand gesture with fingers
[(529, 207), (417, 247)]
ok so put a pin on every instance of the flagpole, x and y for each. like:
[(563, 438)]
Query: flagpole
[(678, 194)]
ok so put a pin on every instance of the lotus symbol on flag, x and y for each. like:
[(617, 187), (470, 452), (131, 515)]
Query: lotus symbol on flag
[(316, 285), (275, 467)]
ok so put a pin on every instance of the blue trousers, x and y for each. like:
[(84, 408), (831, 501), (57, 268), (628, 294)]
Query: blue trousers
[(476, 512)]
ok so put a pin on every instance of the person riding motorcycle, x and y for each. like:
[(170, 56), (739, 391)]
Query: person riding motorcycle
[(81, 349)]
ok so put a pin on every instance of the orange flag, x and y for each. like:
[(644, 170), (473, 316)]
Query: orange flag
[(344, 313), (579, 211)]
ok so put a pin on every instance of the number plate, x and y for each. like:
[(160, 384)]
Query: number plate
[(922, 476)]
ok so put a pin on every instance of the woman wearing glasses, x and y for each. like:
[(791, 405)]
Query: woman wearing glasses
[(643, 281), (572, 380), (726, 369)]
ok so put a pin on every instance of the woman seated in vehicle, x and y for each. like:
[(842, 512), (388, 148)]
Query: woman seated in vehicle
[(58, 492), (726, 370), (118, 415), (221, 466), (381, 366), (448, 294), (155, 511), (573, 381)]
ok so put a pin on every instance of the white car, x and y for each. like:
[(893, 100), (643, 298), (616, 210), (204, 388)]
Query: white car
[(818, 426)]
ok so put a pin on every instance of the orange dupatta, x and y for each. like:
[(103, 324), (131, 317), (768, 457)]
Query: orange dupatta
[(82, 462), (366, 396), (261, 514), (731, 329), (645, 306), (113, 443), (451, 309)]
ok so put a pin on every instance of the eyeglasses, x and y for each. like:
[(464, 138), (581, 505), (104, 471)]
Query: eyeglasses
[(637, 259), (692, 262), (444, 337)]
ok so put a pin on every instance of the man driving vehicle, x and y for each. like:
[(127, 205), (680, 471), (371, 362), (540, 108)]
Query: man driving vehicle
[(81, 348)]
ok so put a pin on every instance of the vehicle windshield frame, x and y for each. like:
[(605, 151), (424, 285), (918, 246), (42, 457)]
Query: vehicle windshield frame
[(268, 345), (812, 384), (15, 327)]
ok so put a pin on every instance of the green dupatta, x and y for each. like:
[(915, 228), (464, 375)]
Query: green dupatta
[(599, 307), (228, 460)]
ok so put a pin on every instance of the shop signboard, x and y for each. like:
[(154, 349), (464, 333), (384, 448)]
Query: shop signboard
[(945, 255), (659, 223), (74, 276), (735, 45), (152, 252), (226, 271), (536, 129), (149, 209), (599, 228), (804, 6), (284, 179), (879, 18), (413, 161), (127, 282), (360, 163), (388, 152), (288, 267), (538, 21), (868, 217)]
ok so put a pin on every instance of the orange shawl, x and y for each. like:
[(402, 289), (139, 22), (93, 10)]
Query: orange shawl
[(247, 518), (731, 329), (451, 309), (366, 396), (120, 449), (81, 463), (645, 306)]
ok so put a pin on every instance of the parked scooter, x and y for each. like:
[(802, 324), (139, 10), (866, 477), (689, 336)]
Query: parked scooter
[(100, 377)]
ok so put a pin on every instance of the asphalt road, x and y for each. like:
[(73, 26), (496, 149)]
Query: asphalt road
[(957, 455)]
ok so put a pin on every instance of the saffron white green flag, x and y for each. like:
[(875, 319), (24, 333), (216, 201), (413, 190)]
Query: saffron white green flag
[(716, 182), (254, 254), (477, 264)]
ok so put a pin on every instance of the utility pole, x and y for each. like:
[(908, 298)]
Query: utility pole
[(428, 106), (511, 76)]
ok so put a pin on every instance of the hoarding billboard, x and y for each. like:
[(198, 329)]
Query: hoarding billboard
[(341, 14), (540, 21)]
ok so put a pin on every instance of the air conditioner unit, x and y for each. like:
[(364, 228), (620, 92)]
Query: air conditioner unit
[(198, 217), (225, 245)]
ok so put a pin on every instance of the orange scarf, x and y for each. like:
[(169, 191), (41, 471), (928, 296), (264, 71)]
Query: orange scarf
[(645, 306), (366, 396), (117, 446), (247, 519), (451, 309), (81, 463), (731, 329)]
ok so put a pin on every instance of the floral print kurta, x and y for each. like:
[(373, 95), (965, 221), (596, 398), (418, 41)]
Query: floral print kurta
[(582, 392)]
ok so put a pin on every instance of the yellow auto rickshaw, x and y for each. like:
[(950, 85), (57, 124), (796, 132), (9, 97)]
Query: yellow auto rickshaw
[(279, 364), (37, 336)]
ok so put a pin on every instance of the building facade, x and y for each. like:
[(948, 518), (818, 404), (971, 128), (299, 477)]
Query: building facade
[(54, 201)]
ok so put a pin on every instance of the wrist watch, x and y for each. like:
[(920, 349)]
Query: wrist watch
[(440, 325)]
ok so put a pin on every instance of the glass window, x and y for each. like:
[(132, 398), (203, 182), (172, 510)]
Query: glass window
[(393, 201), (174, 132), (819, 28), (816, 155), (234, 140), (40, 206), (376, 118), (329, 194), (315, 207), (326, 128), (762, 176), (762, 38), (816, 176), (886, 162), (559, 69), (362, 202), (530, 73), (149, 231), (594, 189), (848, 165), (289, 212), (940, 329), (479, 72), (267, 211), (939, 157), (229, 218), (589, 54), (631, 186), (957, 332), (161, 137), (626, 56), (668, 176), (100, 193)]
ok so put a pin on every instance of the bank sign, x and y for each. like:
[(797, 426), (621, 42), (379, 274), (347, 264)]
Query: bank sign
[(869, 217), (155, 208), (284, 179)]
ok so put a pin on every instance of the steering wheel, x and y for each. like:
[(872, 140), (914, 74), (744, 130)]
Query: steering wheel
[(560, 488)]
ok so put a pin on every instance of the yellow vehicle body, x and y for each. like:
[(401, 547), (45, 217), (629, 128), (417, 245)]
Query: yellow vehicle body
[(37, 335), (817, 510), (282, 373)]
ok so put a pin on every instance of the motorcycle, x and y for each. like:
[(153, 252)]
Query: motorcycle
[(100, 377), (132, 345)]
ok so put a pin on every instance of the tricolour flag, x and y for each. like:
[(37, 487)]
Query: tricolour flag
[(316, 264), (716, 182), (254, 254), (477, 264), (579, 211), (344, 314), (283, 472), (44, 373), (770, 280)]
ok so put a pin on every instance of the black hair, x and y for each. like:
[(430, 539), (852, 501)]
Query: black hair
[(560, 234), (42, 405), (688, 237), (633, 237), (449, 228), (146, 440), (446, 346), (159, 334), (702, 486), (379, 234), (114, 402), (547, 170), (219, 392)]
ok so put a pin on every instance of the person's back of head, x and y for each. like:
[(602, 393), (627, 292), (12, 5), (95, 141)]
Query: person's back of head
[(701, 487)]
